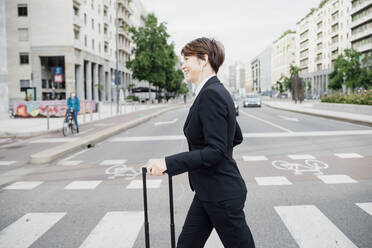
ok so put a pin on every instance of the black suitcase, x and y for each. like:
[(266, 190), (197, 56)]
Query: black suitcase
[(147, 234)]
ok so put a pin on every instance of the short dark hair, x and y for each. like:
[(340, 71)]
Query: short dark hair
[(204, 46)]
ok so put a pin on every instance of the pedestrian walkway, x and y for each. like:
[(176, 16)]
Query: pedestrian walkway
[(316, 108), (27, 127), (124, 228)]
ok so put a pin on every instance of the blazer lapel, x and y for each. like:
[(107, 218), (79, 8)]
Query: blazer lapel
[(213, 79)]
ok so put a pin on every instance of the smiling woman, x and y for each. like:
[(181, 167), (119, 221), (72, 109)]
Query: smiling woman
[(212, 132)]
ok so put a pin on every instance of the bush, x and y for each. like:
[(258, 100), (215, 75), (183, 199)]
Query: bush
[(133, 98), (364, 98)]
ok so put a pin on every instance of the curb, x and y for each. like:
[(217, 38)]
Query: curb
[(54, 153), (360, 122)]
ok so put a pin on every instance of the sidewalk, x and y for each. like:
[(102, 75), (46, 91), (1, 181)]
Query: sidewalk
[(30, 127), (314, 108)]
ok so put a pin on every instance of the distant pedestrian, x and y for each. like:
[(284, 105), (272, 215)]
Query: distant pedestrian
[(73, 105), (212, 132), (184, 98)]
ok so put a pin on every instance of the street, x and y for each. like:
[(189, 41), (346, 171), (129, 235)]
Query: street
[(309, 182)]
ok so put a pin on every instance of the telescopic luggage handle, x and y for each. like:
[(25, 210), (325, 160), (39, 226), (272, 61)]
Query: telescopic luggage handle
[(147, 234)]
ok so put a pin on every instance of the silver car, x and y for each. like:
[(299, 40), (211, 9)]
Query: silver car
[(252, 100)]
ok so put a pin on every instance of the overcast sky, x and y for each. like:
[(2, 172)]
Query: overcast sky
[(245, 27)]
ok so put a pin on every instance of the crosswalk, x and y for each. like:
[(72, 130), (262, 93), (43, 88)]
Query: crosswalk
[(307, 224)]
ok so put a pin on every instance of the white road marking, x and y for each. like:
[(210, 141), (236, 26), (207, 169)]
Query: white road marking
[(366, 206), (249, 135), (26, 230), (70, 162), (165, 122), (148, 138), (24, 185), (348, 155), (54, 140), (254, 158), (82, 185), (213, 241), (4, 140), (311, 228), (267, 122), (150, 184), (75, 154), (336, 179), (7, 162), (267, 181), (288, 118), (113, 162), (121, 170), (314, 166), (85, 131), (301, 156), (116, 229)]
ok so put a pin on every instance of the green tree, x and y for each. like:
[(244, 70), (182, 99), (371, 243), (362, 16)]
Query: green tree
[(349, 70)]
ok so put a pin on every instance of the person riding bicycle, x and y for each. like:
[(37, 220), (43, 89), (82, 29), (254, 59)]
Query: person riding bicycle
[(73, 106)]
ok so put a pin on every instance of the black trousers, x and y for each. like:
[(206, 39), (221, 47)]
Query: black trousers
[(227, 217)]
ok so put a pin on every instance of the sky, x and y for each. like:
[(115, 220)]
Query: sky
[(245, 27)]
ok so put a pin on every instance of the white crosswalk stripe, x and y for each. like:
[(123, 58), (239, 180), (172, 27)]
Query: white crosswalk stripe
[(69, 162), (24, 185), (7, 162), (254, 158), (113, 162), (150, 184), (116, 229), (311, 228), (268, 181), (336, 179), (82, 185), (348, 155), (26, 230), (301, 156), (366, 206)]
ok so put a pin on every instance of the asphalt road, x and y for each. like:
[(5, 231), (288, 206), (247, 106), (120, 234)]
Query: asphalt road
[(309, 183)]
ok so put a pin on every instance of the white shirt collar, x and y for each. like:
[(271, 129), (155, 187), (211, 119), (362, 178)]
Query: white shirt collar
[(198, 89)]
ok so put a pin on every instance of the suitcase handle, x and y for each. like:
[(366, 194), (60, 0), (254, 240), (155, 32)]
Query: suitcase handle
[(172, 227)]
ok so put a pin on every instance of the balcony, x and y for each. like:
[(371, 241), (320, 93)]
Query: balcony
[(360, 7), (364, 48), (124, 33), (106, 19), (79, 2), (106, 38), (361, 35), (77, 21), (334, 56), (126, 5), (78, 44), (106, 3), (124, 49), (360, 21), (334, 46)]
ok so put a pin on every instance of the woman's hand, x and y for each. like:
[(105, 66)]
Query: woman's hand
[(156, 167)]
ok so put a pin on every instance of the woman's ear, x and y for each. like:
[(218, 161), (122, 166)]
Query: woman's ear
[(205, 59)]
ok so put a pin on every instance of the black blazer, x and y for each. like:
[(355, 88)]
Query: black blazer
[(212, 131)]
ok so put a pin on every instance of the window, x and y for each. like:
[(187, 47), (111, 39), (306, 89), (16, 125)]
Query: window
[(92, 4), (24, 83), (77, 34), (22, 9), (85, 18), (85, 41), (76, 11), (92, 23), (99, 27), (99, 47), (23, 34), (93, 44), (23, 58)]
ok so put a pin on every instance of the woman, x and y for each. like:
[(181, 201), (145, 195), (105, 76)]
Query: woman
[(212, 131)]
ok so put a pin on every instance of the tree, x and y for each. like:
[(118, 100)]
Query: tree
[(349, 70)]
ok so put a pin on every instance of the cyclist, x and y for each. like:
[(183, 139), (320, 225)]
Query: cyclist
[(73, 105)]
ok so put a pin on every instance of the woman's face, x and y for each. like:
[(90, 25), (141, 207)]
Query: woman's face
[(192, 68)]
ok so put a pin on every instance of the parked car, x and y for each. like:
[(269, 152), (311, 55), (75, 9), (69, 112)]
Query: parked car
[(252, 100)]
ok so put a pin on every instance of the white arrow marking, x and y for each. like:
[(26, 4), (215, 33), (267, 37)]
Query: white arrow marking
[(288, 118), (166, 122)]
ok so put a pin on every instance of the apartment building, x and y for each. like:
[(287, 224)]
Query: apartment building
[(283, 55), (77, 39), (320, 37), (361, 27), (3, 64), (261, 71)]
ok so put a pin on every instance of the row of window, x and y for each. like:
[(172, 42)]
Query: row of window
[(362, 28), (362, 14), (362, 42)]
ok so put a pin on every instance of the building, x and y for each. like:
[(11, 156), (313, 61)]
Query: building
[(283, 55), (232, 76), (320, 37), (261, 71), (248, 78), (3, 64), (361, 27), (76, 38)]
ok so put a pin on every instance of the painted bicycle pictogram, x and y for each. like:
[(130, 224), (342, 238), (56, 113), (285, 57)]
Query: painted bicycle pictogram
[(314, 166), (122, 171)]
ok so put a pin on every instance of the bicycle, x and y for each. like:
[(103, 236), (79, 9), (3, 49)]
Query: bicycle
[(310, 166), (69, 125)]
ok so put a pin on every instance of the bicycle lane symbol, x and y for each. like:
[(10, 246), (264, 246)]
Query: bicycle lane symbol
[(314, 166), (122, 171)]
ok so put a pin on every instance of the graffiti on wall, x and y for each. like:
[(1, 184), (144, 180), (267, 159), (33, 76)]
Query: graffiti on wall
[(30, 109)]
